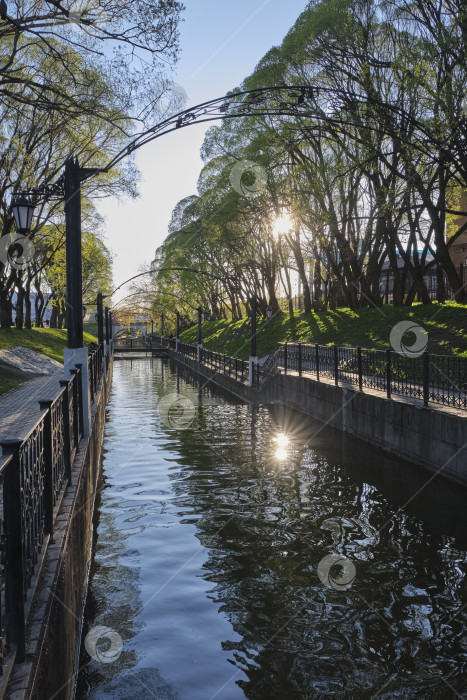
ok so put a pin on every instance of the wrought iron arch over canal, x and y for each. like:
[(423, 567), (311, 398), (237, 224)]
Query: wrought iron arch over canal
[(296, 101)]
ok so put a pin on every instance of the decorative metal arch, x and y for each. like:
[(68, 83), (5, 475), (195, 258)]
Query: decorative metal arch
[(286, 100)]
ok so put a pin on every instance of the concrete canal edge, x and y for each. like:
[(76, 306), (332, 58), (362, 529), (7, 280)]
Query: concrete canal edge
[(432, 438), (54, 626)]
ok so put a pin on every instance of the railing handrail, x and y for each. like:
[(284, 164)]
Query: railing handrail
[(418, 377), (35, 469), (363, 349)]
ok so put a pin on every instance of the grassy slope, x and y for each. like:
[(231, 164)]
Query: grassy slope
[(48, 341), (370, 328), (9, 377)]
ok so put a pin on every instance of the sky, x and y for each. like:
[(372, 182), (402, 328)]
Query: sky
[(220, 44)]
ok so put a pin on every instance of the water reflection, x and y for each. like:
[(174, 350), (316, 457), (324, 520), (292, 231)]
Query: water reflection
[(232, 573)]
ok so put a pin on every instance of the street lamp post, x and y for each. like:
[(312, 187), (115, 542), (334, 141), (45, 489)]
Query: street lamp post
[(107, 325), (178, 331), (100, 319), (74, 275), (253, 357), (200, 332), (162, 328), (253, 325)]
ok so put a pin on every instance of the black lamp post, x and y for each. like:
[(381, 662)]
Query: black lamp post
[(162, 326), (73, 177), (107, 325), (178, 325), (100, 319), (253, 325), (200, 319)]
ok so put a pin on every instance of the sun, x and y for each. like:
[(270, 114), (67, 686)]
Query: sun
[(283, 224)]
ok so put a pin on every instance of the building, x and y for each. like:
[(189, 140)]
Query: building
[(458, 250)]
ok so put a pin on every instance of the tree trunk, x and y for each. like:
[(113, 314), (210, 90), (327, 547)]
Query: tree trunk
[(27, 304), (298, 255), (19, 303), (55, 313)]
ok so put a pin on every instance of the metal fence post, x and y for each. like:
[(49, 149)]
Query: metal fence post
[(426, 378), (360, 368), (285, 358), (299, 359), (66, 427), (48, 467), (388, 373), (317, 361), (336, 365), (15, 588)]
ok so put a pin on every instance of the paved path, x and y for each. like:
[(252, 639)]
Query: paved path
[(19, 408)]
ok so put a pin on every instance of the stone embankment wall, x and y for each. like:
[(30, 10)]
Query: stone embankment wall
[(429, 437)]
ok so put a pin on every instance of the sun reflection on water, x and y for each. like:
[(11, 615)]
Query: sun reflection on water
[(282, 442)]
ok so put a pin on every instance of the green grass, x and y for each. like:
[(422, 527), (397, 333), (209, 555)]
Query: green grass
[(48, 341), (9, 378), (90, 329), (446, 325)]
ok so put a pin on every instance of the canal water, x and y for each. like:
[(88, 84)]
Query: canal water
[(247, 552)]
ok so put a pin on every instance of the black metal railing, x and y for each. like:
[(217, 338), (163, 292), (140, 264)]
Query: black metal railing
[(34, 473), (95, 369), (143, 343), (231, 366), (225, 364), (188, 350), (437, 379)]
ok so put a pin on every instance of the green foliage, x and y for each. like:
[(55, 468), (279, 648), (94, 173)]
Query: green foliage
[(367, 328), (360, 171)]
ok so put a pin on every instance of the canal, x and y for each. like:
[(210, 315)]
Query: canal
[(246, 552)]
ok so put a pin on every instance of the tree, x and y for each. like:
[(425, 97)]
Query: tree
[(132, 42)]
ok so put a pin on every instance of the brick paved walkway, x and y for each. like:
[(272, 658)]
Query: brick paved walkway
[(19, 408)]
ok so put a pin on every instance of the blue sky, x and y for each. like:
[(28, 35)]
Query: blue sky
[(221, 43)]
